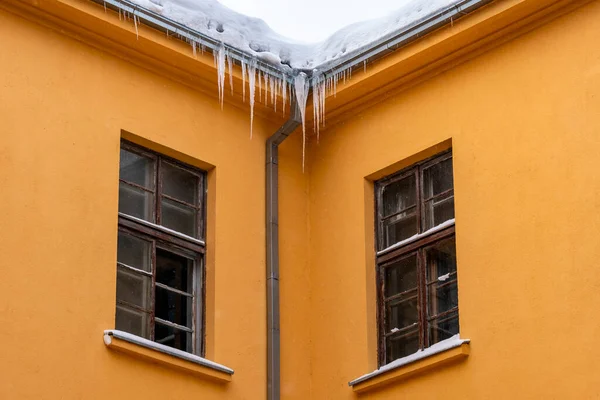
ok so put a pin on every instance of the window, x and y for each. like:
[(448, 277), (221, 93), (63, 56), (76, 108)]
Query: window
[(416, 258), (160, 249)]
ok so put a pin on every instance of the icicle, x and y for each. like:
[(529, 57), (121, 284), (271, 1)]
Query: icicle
[(301, 86), (120, 18), (230, 69), (194, 48), (137, 33), (243, 81), (284, 93), (266, 78), (105, 6), (220, 61), (365, 66), (252, 87), (273, 94), (259, 85)]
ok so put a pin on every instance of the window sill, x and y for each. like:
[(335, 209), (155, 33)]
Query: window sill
[(173, 358), (442, 353)]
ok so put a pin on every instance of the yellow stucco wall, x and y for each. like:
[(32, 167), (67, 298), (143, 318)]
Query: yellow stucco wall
[(524, 123), (63, 105)]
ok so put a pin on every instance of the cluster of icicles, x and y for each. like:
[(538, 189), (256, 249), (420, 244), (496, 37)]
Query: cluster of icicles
[(278, 86)]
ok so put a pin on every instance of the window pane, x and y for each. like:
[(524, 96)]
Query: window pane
[(179, 183), (133, 288), (401, 314), (397, 347), (174, 270), (442, 329), (438, 210), (399, 195), (134, 252), (441, 262), (441, 259), (136, 202), (178, 217), (173, 337), (438, 178), (173, 307), (132, 321), (401, 276), (399, 228), (136, 169)]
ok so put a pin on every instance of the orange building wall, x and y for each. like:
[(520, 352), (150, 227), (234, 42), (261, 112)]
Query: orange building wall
[(524, 123), (63, 105)]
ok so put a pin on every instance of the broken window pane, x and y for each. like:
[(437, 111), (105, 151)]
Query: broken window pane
[(134, 251), (179, 217), (401, 276), (136, 202), (399, 195), (136, 169), (179, 183)]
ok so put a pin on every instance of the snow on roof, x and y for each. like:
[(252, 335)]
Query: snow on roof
[(254, 36)]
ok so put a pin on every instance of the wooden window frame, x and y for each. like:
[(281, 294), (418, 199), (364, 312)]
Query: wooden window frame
[(393, 253), (192, 248)]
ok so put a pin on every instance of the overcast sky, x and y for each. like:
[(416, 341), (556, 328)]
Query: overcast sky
[(312, 20)]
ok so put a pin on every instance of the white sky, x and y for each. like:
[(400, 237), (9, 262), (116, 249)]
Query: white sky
[(312, 20)]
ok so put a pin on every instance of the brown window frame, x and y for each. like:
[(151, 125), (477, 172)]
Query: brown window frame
[(192, 248), (406, 248)]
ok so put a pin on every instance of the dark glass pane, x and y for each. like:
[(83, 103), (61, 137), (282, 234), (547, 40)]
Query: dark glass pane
[(173, 337), (179, 217), (401, 276), (441, 265), (438, 178), (133, 288), (179, 183), (136, 169), (132, 321), (441, 259), (438, 210), (401, 314), (398, 228), (136, 202), (398, 347), (173, 307), (443, 329), (174, 270), (134, 252), (399, 195)]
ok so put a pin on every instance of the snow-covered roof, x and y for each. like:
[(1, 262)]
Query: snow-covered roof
[(254, 36)]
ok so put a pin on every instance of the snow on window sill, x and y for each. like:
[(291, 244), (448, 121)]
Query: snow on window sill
[(418, 236), (158, 353), (441, 353)]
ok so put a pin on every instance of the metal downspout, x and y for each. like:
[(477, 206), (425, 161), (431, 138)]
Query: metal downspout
[(272, 222)]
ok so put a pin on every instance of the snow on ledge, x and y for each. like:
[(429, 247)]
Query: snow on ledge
[(128, 337), (450, 343), (418, 236)]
